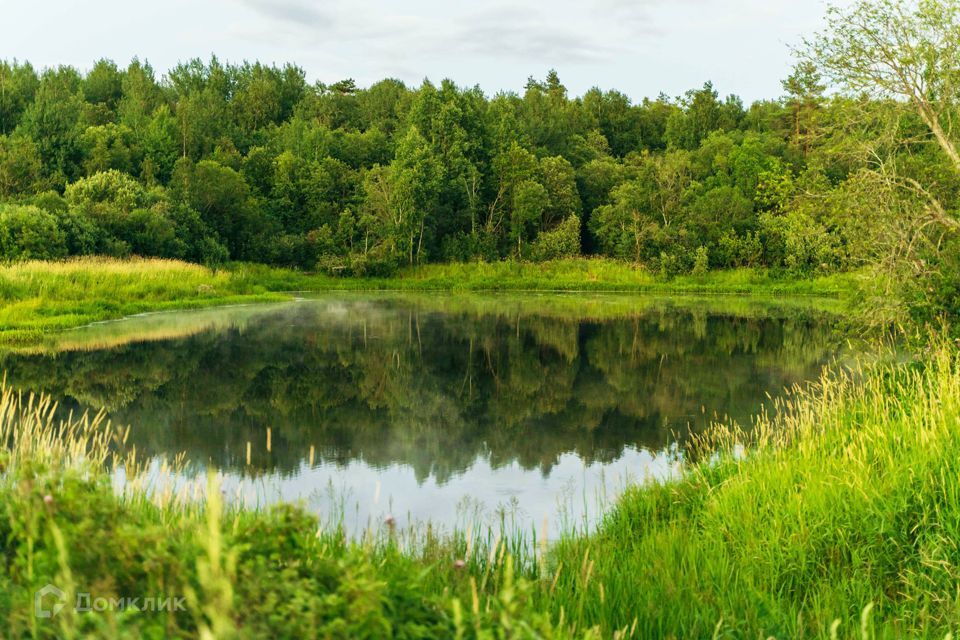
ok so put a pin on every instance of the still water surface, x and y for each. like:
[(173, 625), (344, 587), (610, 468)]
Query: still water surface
[(434, 407)]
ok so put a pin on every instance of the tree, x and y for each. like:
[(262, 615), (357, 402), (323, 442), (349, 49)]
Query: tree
[(107, 146), (627, 227), (222, 198), (102, 90), (887, 57), (52, 120), (804, 90), (559, 179), (20, 166), (140, 96), (900, 49), (529, 202), (415, 180), (702, 114), (510, 168), (160, 144), (18, 86)]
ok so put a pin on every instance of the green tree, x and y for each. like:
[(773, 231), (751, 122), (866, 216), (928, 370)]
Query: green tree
[(222, 198), (102, 90), (53, 121), (560, 182), (107, 146), (416, 182), (628, 227), (20, 166), (804, 88), (526, 211), (702, 114), (18, 87)]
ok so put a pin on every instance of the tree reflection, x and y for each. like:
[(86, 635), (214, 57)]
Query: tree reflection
[(433, 384)]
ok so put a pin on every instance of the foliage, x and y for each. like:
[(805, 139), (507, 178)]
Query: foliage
[(217, 162), (558, 243), (30, 233)]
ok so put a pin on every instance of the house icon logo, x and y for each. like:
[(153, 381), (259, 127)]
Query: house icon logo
[(48, 601)]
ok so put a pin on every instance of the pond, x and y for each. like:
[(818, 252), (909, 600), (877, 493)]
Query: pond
[(452, 409)]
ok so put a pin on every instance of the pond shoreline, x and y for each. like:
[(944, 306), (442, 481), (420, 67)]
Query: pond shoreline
[(42, 298)]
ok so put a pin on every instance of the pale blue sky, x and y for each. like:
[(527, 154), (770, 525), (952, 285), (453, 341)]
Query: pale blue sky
[(641, 47)]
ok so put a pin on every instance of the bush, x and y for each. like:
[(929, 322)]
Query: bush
[(796, 242), (110, 190), (561, 242), (30, 233), (467, 247), (701, 262), (737, 251), (377, 262)]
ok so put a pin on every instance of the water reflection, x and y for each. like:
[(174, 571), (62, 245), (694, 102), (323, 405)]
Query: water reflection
[(500, 399)]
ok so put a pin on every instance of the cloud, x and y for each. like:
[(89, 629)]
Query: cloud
[(527, 34), (293, 12), (558, 32)]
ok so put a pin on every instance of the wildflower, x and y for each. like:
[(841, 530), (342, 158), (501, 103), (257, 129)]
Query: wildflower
[(48, 499), (459, 564)]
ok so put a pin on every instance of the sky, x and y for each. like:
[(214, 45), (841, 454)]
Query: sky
[(639, 47)]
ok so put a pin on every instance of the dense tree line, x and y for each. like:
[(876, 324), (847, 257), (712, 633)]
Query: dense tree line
[(217, 161)]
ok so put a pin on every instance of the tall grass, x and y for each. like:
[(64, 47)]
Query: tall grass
[(573, 274), (598, 274), (846, 504), (39, 297), (240, 573)]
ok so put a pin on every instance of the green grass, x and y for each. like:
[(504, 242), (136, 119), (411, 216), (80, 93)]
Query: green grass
[(582, 274), (847, 505), (38, 298), (240, 573)]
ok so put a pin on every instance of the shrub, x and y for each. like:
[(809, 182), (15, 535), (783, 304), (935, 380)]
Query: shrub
[(28, 232), (111, 190), (561, 242), (796, 242), (465, 247), (701, 262)]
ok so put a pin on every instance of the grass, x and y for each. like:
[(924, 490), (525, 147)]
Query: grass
[(41, 298), (198, 568), (844, 512), (580, 274), (840, 518)]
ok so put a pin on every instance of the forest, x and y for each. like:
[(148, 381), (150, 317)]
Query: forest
[(437, 268), (214, 162)]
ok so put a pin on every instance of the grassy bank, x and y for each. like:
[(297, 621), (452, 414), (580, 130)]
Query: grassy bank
[(37, 298), (581, 274), (843, 518), (846, 513)]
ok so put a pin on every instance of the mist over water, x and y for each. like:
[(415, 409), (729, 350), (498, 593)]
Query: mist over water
[(433, 408)]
